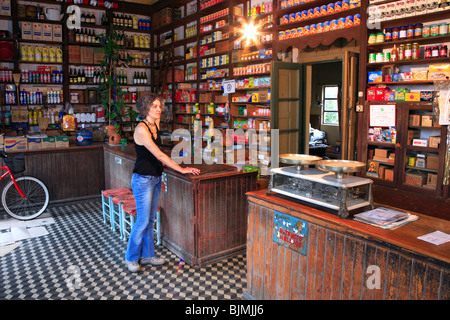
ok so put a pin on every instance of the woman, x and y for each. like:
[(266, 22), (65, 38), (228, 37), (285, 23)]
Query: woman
[(146, 183)]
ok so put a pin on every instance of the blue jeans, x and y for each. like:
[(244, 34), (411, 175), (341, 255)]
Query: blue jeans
[(146, 191)]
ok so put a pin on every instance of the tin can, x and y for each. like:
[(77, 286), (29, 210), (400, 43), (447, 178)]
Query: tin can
[(386, 56), (294, 33), (434, 30), (372, 57), (312, 29), (326, 26), (304, 15), (338, 6), (299, 31), (333, 24), (426, 31), (345, 4), (330, 8), (298, 16), (348, 21), (285, 19), (319, 27), (292, 18), (316, 12), (411, 161), (287, 34), (281, 35), (310, 13), (443, 29), (341, 23), (323, 10), (306, 30), (356, 19), (379, 57)]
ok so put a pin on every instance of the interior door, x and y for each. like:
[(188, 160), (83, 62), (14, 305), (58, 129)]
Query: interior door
[(349, 99), (287, 111)]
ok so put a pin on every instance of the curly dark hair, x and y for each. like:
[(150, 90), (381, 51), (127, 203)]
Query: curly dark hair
[(145, 102)]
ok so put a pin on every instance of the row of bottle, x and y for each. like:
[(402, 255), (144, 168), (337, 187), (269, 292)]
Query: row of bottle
[(135, 41), (81, 74), (10, 97), (140, 78), (140, 59), (128, 21), (88, 17), (54, 116), (41, 54), (41, 76), (37, 97), (6, 75), (85, 35)]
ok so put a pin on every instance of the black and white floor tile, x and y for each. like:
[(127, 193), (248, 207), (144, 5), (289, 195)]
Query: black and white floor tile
[(82, 259)]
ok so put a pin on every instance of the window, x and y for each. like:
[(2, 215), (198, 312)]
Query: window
[(330, 112)]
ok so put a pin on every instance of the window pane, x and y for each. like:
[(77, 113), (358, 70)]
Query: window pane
[(330, 118), (331, 92), (330, 105)]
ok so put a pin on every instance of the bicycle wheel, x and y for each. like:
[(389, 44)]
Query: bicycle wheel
[(35, 202)]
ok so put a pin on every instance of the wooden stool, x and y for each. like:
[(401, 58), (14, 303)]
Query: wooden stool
[(107, 196), (117, 202), (128, 213)]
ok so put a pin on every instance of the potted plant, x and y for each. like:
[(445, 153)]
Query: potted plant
[(111, 93)]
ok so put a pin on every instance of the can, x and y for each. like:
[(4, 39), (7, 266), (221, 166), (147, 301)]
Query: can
[(356, 19), (292, 18), (299, 31), (281, 35), (306, 30), (316, 12), (341, 23), (386, 56), (310, 13), (338, 6), (323, 10), (372, 57), (426, 31), (443, 29), (348, 21), (333, 24), (345, 5), (330, 8), (304, 15), (319, 27), (379, 57), (434, 30), (326, 26), (285, 19), (411, 161), (312, 29)]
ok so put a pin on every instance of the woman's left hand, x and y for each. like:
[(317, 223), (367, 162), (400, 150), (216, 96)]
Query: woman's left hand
[(187, 170)]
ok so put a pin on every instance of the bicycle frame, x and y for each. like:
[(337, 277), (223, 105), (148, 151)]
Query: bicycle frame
[(8, 172)]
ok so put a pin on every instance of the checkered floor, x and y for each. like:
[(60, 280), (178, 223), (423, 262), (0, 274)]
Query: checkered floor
[(82, 259)]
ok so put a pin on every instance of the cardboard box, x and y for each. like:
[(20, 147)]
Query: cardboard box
[(205, 98), (420, 142), (237, 11), (414, 120), (74, 54), (48, 143), (16, 143), (99, 55), (382, 153), (57, 33), (412, 134), (222, 46), (34, 143), (412, 96), (47, 32), (236, 55), (427, 121), (414, 179), (27, 30), (432, 161), (432, 180), (375, 76), (5, 7), (37, 31), (87, 55), (221, 99), (434, 141), (389, 174), (263, 96), (61, 141), (439, 71)]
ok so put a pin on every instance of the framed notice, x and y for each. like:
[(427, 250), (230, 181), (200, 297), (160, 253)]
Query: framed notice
[(382, 115), (290, 232)]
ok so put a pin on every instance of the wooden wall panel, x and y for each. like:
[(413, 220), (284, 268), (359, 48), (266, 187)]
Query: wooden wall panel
[(335, 267)]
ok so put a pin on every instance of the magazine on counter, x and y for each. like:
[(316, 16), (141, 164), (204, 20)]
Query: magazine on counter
[(381, 216)]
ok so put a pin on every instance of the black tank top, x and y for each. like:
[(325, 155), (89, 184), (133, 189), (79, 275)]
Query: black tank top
[(146, 163)]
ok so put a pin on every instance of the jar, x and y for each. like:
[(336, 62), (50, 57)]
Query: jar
[(401, 52), (415, 51), (402, 32), (418, 30), (444, 51), (435, 52), (426, 31), (410, 31), (388, 34), (427, 52), (443, 29), (372, 38), (380, 37), (434, 30), (395, 33), (408, 51)]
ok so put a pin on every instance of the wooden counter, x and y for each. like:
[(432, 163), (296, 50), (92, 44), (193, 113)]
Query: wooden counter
[(338, 253), (68, 173), (204, 217)]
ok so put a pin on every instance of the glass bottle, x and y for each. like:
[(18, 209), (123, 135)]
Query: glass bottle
[(394, 54)]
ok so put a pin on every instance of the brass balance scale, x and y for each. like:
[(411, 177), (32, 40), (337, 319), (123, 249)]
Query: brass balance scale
[(328, 184)]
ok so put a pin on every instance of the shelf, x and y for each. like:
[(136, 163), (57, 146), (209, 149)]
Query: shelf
[(422, 149), (421, 169), (44, 63), (439, 15), (376, 65), (39, 41), (420, 41), (41, 84), (402, 83), (254, 61), (381, 144), (301, 7), (39, 20)]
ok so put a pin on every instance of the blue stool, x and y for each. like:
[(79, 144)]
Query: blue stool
[(117, 203), (107, 196)]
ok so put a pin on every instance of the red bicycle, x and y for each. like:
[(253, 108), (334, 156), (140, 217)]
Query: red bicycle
[(25, 197)]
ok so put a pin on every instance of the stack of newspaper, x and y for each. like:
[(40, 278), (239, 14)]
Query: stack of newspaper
[(385, 218)]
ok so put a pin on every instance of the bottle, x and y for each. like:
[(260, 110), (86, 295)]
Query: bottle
[(401, 53), (394, 54), (415, 51), (135, 22), (59, 55), (408, 51), (45, 57), (84, 137), (134, 78), (83, 77), (83, 17)]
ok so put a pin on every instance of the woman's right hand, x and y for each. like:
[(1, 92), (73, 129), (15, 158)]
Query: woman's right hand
[(187, 170)]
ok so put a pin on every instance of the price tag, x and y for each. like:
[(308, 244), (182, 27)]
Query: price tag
[(229, 86)]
